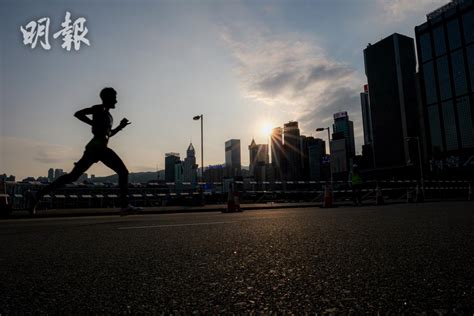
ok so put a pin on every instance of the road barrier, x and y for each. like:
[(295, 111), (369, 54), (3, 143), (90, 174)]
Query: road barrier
[(5, 205), (376, 192)]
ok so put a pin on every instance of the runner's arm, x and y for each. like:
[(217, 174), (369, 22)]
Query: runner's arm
[(115, 131), (122, 124), (82, 115)]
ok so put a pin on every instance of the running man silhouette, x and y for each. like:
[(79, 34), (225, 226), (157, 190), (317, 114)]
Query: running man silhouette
[(96, 150)]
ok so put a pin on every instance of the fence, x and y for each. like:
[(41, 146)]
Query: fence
[(187, 194)]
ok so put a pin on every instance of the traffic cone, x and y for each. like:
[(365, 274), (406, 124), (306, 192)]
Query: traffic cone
[(418, 194), (327, 196), (378, 195), (409, 196)]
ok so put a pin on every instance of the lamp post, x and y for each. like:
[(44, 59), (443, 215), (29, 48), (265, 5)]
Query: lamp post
[(196, 118), (419, 161), (320, 129)]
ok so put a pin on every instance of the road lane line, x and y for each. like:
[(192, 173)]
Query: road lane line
[(174, 225)]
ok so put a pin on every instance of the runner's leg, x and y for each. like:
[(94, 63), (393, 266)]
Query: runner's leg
[(113, 161), (80, 167)]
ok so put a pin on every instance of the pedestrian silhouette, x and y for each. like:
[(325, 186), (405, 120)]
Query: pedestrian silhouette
[(356, 182), (96, 150)]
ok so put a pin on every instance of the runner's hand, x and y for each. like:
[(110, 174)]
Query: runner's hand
[(124, 122)]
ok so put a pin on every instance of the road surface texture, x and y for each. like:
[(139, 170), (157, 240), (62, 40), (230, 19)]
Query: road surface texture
[(402, 258)]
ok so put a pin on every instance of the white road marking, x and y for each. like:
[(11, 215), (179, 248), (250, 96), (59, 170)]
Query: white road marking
[(174, 225), (199, 224)]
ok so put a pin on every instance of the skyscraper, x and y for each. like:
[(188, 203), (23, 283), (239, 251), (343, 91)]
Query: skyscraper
[(51, 175), (304, 157), (366, 118), (316, 151), (390, 66), (339, 163), (178, 174), (171, 159), (190, 166), (367, 161), (278, 157), (232, 158), (445, 44), (343, 125), (259, 160), (253, 152), (292, 149)]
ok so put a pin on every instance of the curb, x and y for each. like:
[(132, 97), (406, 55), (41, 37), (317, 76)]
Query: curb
[(67, 213), (114, 212)]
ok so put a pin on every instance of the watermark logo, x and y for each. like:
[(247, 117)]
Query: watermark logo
[(36, 30), (73, 34)]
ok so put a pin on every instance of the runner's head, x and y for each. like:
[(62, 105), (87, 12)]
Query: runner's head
[(109, 97)]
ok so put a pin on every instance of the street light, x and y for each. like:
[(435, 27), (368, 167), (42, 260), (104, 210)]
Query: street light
[(320, 129), (419, 161), (196, 118)]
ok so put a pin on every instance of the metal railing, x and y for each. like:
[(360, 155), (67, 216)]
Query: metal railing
[(187, 194)]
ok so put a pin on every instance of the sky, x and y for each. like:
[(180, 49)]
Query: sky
[(244, 65)]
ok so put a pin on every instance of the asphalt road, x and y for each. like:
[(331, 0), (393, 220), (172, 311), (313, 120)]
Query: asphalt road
[(395, 258)]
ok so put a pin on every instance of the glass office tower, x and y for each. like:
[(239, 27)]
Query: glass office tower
[(445, 46)]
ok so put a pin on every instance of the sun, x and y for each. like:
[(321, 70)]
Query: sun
[(266, 129)]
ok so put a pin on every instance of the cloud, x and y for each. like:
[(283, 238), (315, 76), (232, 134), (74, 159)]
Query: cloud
[(294, 75), (336, 100), (53, 154), (398, 10)]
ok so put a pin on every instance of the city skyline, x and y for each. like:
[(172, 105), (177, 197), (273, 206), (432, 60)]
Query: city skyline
[(248, 72)]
